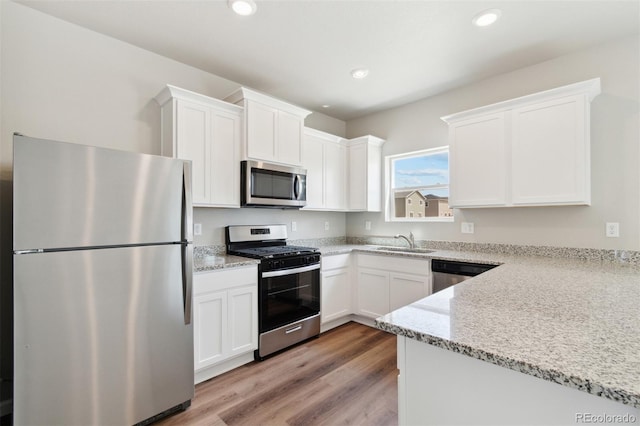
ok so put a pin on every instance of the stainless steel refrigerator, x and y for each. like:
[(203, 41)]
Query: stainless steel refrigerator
[(102, 284)]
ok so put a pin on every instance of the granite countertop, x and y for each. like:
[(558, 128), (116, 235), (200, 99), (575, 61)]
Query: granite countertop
[(575, 322), (569, 321), (211, 262)]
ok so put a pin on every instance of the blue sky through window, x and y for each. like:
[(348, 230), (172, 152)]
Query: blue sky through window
[(425, 170)]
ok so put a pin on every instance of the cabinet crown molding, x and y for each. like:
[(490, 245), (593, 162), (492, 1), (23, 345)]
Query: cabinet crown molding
[(244, 93), (373, 140), (308, 131), (590, 88), (173, 92)]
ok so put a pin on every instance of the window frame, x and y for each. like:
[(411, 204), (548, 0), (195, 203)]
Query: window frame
[(389, 190)]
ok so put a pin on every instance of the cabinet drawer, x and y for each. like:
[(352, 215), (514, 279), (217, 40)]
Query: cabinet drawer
[(336, 261), (395, 263), (222, 279)]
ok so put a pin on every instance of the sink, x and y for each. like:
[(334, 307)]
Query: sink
[(405, 249)]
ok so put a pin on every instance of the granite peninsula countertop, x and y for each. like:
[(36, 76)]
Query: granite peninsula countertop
[(570, 321)]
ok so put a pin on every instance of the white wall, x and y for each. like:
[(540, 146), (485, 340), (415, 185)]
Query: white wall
[(615, 153)]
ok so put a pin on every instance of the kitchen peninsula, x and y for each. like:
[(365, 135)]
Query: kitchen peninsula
[(571, 326)]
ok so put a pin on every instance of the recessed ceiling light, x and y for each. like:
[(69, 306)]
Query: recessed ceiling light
[(486, 17), (243, 7), (326, 106), (359, 73)]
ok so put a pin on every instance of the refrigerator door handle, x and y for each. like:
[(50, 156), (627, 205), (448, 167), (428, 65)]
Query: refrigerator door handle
[(187, 280), (187, 204), (187, 238)]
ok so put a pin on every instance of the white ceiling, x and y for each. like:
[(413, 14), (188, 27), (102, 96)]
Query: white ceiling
[(302, 51)]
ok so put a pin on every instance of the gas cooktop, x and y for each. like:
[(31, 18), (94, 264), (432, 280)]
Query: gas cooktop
[(262, 242), (273, 251)]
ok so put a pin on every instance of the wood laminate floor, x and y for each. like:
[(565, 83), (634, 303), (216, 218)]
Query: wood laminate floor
[(347, 376)]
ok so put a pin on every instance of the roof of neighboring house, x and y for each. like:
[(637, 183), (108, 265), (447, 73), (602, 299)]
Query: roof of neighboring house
[(435, 197), (406, 194)]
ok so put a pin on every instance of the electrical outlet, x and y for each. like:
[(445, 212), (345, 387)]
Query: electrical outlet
[(326, 226), (197, 229), (467, 228), (612, 229), (294, 227), (367, 225)]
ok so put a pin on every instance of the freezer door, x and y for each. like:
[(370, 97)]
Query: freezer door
[(70, 195), (100, 336)]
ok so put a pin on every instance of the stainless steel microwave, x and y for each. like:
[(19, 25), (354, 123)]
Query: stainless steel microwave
[(272, 185)]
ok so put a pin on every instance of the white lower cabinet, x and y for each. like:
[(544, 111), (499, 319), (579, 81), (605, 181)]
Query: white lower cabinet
[(225, 320), (405, 289), (386, 283), (373, 292), (335, 288)]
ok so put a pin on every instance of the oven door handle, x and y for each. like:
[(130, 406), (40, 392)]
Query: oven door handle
[(284, 272)]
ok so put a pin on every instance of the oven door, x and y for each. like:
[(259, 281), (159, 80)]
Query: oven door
[(288, 295)]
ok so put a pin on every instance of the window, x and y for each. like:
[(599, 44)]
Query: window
[(417, 186)]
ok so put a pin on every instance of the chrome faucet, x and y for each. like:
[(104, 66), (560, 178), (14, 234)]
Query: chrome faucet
[(410, 240)]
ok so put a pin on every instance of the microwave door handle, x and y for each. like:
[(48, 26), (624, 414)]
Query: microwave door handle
[(296, 187)]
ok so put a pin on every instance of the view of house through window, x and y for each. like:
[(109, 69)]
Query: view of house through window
[(418, 186)]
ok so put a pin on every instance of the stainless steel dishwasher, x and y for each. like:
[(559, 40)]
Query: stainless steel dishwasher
[(448, 272)]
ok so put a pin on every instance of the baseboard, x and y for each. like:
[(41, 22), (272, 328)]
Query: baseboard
[(370, 322), (217, 369)]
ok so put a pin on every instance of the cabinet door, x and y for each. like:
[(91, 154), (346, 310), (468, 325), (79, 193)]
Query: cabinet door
[(358, 177), (335, 176), (336, 294), (289, 138), (313, 150), (243, 319), (550, 153), (406, 288), (477, 162), (210, 328), (261, 131), (225, 159), (373, 292), (194, 139)]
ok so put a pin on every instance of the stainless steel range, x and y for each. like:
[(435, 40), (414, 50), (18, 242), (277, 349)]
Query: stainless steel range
[(288, 285)]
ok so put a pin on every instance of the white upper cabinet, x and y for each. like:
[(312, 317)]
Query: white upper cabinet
[(550, 152), (272, 128), (206, 131), (365, 174), (479, 171), (528, 151), (325, 158)]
